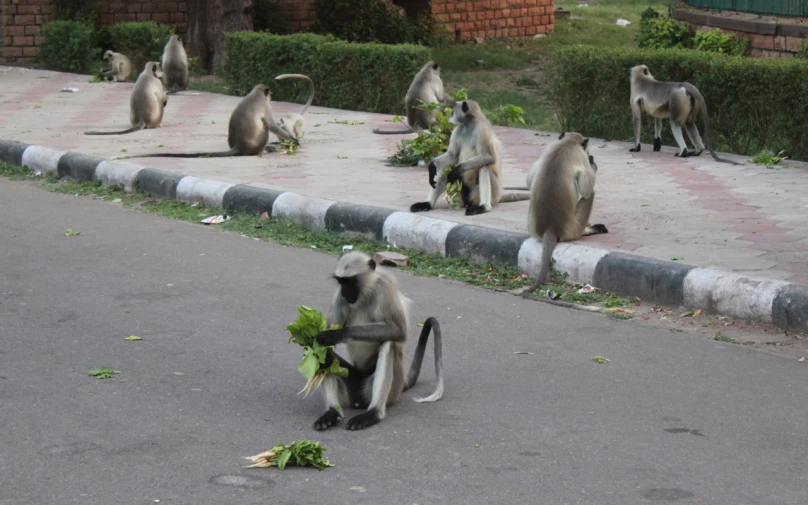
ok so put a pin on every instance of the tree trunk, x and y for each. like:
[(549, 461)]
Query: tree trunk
[(208, 21)]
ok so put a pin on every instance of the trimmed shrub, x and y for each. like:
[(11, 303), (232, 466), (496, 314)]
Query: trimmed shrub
[(367, 77), (663, 33), (139, 41), (716, 41), (754, 103), (370, 21), (68, 46)]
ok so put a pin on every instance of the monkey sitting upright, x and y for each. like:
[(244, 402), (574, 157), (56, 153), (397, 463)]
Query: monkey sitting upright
[(147, 101), (679, 101), (175, 65), (562, 191), (375, 321)]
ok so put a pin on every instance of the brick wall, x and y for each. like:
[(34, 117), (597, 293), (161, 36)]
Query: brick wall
[(495, 18), (21, 22), (299, 13)]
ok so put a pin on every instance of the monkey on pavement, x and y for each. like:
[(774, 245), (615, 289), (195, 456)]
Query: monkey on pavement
[(375, 326), (147, 101), (475, 153), (562, 191), (175, 65), (426, 87), (679, 101), (247, 131), (293, 123), (119, 66)]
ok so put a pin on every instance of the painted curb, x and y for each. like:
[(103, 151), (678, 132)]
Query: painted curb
[(781, 303)]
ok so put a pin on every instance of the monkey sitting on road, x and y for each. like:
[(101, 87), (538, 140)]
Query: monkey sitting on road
[(679, 101), (147, 101), (247, 131), (562, 191), (426, 87), (475, 152), (375, 325), (175, 65), (119, 67), (293, 123)]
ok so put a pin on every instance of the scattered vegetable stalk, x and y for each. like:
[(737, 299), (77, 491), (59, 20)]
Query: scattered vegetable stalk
[(304, 333), (298, 453)]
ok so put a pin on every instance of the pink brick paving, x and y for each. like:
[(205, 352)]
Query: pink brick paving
[(747, 219)]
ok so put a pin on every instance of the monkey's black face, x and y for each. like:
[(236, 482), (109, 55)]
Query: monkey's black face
[(349, 288)]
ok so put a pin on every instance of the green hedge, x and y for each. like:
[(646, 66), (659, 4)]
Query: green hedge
[(754, 103), (68, 46), (139, 41), (367, 77)]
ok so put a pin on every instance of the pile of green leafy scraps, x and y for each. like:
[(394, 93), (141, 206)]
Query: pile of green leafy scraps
[(304, 332), (298, 453)]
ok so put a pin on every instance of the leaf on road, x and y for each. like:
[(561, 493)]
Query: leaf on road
[(599, 359), (133, 337)]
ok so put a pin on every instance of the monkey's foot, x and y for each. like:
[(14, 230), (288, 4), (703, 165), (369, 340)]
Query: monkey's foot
[(635, 149), (595, 229), (363, 421), (657, 144), (473, 210), (683, 154), (696, 153), (332, 416), (420, 207)]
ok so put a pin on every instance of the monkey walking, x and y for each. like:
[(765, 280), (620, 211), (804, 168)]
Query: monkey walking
[(426, 87), (375, 326), (119, 67), (293, 123), (247, 131), (476, 154), (562, 191), (175, 65), (147, 101), (679, 101)]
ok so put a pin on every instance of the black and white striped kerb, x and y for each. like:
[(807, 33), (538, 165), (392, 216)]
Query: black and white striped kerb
[(781, 303)]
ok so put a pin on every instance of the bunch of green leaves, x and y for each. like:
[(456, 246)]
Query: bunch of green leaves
[(102, 373), (768, 159), (298, 453), (663, 33), (304, 330), (716, 41), (453, 191), (509, 115), (287, 147), (68, 46)]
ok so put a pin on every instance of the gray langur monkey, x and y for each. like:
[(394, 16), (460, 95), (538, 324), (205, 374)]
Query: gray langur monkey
[(147, 101), (426, 87), (120, 68), (562, 191), (375, 326), (475, 153), (247, 132), (175, 65), (679, 101), (293, 123)]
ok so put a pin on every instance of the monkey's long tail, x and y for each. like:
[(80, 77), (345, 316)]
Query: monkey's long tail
[(223, 154), (135, 128), (395, 132), (706, 118), (431, 324), (311, 88), (514, 197), (548, 243)]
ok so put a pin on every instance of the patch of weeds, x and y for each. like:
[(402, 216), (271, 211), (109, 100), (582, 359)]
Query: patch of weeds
[(102, 373), (600, 359), (347, 121), (70, 233), (768, 159), (527, 81), (17, 173), (619, 316), (211, 85), (723, 338)]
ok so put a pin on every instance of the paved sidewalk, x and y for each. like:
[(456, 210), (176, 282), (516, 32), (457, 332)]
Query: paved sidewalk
[(747, 219)]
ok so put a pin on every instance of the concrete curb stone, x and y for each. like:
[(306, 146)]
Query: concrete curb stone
[(781, 303)]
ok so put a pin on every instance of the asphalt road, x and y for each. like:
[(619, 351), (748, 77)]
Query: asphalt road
[(671, 418)]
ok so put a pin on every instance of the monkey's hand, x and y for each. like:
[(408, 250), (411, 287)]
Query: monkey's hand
[(455, 174), (433, 171), (331, 337)]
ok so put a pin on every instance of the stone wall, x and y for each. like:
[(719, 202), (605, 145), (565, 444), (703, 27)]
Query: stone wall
[(481, 19), (21, 22), (766, 38)]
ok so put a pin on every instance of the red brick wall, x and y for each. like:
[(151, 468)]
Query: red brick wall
[(21, 21), (495, 18)]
